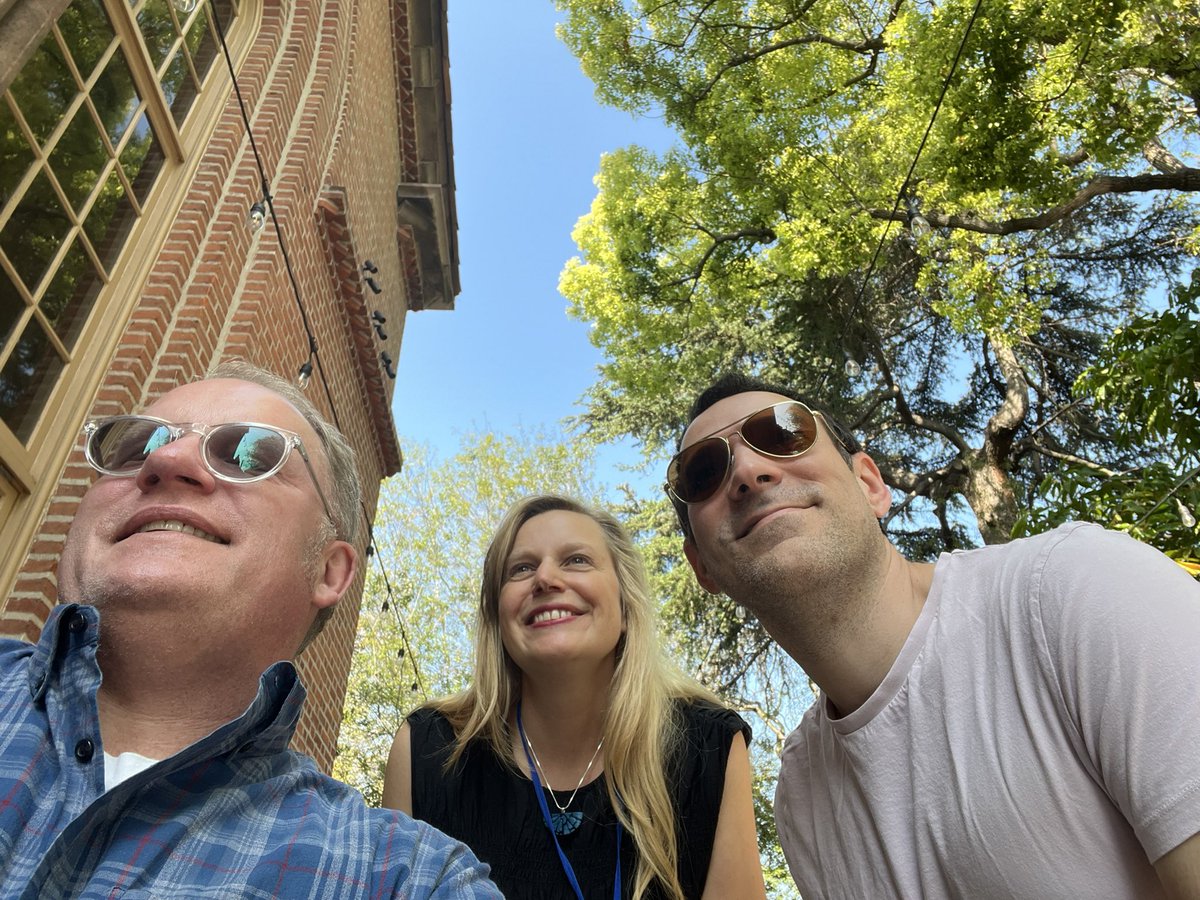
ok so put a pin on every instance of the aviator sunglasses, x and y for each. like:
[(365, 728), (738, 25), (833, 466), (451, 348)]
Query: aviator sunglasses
[(238, 452), (783, 430)]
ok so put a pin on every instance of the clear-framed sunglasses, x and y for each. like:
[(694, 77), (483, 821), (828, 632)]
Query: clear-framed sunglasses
[(237, 452)]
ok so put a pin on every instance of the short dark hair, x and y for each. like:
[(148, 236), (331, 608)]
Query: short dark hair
[(733, 383)]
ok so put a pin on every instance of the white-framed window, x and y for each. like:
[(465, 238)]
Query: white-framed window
[(87, 129)]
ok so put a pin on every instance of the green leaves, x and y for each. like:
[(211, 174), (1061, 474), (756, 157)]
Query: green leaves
[(771, 238), (1148, 378)]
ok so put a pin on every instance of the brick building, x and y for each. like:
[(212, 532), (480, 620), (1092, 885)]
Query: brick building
[(128, 264)]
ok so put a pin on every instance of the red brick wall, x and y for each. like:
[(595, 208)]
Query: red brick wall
[(320, 84)]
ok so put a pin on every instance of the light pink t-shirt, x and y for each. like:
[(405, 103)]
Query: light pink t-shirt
[(1038, 735)]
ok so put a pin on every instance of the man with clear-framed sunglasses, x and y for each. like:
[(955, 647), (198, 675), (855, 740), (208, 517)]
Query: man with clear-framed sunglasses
[(143, 740), (1021, 720)]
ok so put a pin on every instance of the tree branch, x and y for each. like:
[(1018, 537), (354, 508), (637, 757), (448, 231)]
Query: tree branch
[(733, 678), (998, 434), (953, 435), (746, 705), (871, 45), (761, 236), (1185, 179), (908, 417), (1069, 457), (912, 483), (1161, 158)]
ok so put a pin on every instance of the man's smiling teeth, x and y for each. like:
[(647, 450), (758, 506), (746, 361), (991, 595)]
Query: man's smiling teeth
[(182, 528), (549, 615)]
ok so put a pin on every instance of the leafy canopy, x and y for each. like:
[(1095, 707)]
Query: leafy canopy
[(929, 216)]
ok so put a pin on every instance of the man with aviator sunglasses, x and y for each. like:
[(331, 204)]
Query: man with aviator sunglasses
[(149, 757), (1021, 720)]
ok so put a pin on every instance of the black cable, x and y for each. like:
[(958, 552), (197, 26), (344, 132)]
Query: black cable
[(313, 354), (265, 187), (390, 604), (908, 178)]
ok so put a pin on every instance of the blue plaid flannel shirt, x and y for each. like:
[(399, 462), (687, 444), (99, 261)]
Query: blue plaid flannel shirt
[(236, 814)]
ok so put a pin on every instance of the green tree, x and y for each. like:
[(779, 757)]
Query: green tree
[(1149, 378), (929, 217)]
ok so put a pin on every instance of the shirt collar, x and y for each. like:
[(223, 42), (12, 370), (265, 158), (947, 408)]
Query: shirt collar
[(265, 727)]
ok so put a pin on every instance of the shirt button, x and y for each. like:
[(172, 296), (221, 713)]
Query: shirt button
[(84, 750), (76, 623)]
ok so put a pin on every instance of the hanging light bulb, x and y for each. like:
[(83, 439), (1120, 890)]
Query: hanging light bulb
[(917, 223), (305, 376), (185, 7), (853, 369), (1185, 515), (258, 217)]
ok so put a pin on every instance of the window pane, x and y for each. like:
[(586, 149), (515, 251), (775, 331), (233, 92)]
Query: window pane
[(78, 158), (202, 44), (44, 89), (27, 380), (158, 29), (87, 33), (15, 155), (35, 231), (142, 159), (11, 307), (71, 295), (178, 88), (109, 221), (115, 98)]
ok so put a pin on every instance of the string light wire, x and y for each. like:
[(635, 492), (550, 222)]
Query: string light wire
[(390, 604), (313, 353), (903, 192), (269, 200)]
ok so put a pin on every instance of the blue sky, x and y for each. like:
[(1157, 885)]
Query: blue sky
[(528, 136)]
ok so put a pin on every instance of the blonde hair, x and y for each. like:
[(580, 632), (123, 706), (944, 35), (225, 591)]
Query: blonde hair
[(642, 727)]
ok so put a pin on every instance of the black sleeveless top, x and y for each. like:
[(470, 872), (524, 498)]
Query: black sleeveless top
[(492, 809)]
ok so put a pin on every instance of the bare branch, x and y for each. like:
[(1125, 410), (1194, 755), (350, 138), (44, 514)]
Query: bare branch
[(1069, 457), (912, 483), (909, 417), (1186, 179), (732, 678), (746, 705), (1078, 158), (1015, 406), (1161, 158)]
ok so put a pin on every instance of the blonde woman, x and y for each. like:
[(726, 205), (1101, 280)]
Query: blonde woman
[(579, 763)]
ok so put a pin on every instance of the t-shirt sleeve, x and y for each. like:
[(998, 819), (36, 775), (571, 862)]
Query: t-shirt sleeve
[(1120, 633)]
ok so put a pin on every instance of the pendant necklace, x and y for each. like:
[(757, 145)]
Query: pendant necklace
[(564, 822), (555, 826)]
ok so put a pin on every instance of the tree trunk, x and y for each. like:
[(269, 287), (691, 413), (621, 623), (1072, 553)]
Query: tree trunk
[(990, 494), (989, 489)]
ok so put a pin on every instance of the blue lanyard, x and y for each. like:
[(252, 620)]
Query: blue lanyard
[(541, 799)]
